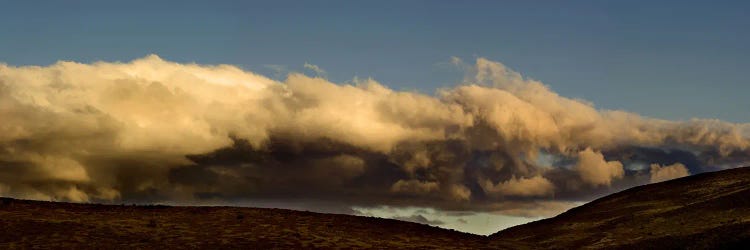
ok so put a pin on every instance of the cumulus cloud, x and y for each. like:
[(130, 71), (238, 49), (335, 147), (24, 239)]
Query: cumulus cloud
[(664, 173), (534, 186), (594, 170), (154, 130)]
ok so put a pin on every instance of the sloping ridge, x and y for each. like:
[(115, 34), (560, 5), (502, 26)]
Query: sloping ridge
[(709, 210), (39, 224)]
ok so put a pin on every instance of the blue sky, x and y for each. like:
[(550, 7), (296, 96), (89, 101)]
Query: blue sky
[(671, 59)]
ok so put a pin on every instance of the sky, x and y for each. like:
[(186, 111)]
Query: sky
[(468, 115), (607, 52)]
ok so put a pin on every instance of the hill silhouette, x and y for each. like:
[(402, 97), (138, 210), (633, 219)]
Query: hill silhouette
[(27, 224), (710, 210)]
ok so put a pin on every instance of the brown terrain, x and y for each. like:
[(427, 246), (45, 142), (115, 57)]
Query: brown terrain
[(28, 224), (709, 210)]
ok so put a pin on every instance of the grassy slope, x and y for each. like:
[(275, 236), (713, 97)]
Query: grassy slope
[(68, 225), (701, 211), (707, 210)]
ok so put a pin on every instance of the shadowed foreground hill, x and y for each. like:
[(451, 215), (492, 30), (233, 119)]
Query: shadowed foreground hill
[(68, 225), (710, 210)]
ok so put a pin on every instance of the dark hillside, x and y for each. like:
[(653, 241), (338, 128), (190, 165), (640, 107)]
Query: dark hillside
[(54, 224), (710, 210)]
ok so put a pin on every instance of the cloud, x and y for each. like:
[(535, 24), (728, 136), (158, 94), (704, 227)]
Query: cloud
[(414, 187), (314, 68), (594, 170), (158, 131), (534, 186), (663, 173), (278, 70)]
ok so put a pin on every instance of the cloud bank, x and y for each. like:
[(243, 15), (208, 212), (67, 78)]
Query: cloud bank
[(152, 130)]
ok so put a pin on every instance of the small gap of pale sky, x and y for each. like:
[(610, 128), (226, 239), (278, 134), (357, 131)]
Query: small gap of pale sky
[(482, 223), (665, 59)]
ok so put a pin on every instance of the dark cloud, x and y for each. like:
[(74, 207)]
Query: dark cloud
[(663, 156)]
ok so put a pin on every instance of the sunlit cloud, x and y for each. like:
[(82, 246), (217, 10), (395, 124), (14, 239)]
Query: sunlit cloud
[(153, 130)]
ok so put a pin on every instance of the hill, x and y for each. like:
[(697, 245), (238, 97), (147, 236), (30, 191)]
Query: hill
[(42, 224), (710, 210)]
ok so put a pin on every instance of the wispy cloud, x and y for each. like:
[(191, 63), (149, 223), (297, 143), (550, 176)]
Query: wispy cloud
[(278, 70), (314, 68)]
